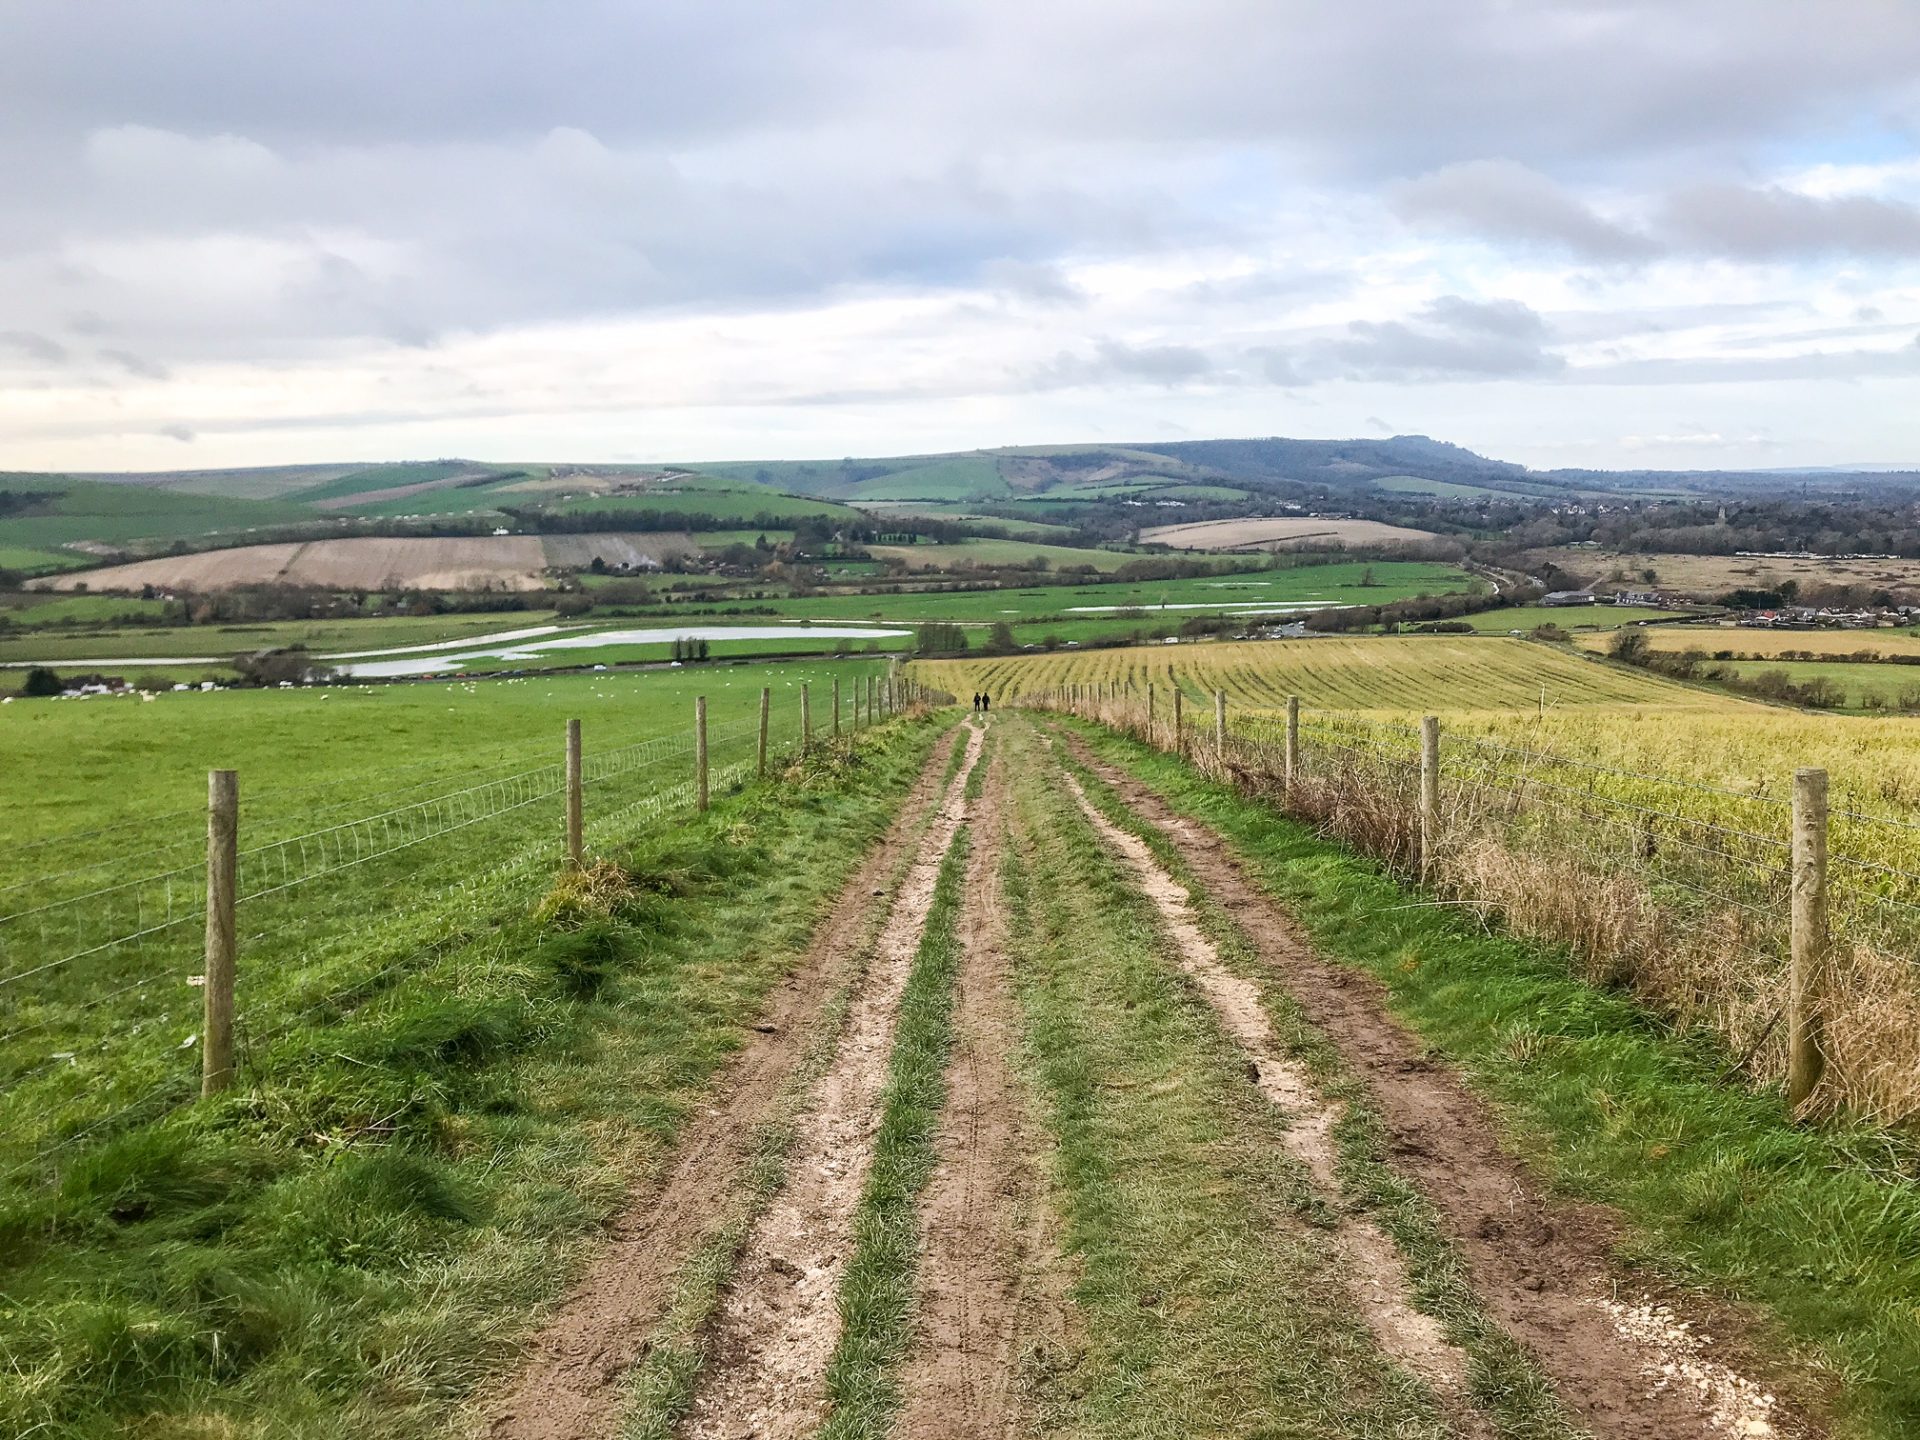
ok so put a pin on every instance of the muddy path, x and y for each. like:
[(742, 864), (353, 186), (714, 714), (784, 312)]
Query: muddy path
[(1375, 1272), (983, 1235), (1541, 1267), (572, 1385), (770, 1344)]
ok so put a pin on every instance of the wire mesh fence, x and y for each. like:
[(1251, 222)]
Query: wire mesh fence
[(103, 1004), (1681, 889)]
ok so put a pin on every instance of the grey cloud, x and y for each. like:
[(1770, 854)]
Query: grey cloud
[(1450, 339), (183, 433), (35, 347), (1772, 223), (137, 365), (1501, 200), (1115, 361)]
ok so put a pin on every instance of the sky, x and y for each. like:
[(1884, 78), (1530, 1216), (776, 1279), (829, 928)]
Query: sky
[(1588, 233)]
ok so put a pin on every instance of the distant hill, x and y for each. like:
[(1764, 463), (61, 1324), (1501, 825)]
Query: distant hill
[(49, 522)]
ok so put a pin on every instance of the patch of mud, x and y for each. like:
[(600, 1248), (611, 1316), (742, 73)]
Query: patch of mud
[(777, 1329), (1542, 1269), (572, 1385), (981, 1241), (1379, 1279)]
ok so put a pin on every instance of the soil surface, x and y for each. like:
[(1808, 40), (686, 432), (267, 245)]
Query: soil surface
[(776, 1332), (1376, 1276), (1541, 1267), (573, 1383), (983, 1244)]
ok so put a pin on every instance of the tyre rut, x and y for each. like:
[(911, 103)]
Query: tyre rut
[(1541, 1268), (572, 1384), (771, 1342)]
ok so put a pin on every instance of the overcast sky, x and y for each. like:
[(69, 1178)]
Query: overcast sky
[(1566, 232)]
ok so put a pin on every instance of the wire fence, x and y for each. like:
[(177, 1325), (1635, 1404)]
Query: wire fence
[(105, 960), (1678, 888)]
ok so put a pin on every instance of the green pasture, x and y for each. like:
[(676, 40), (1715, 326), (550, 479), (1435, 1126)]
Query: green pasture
[(1865, 685), (742, 506)]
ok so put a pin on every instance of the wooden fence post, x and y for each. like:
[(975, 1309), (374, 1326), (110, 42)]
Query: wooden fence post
[(1429, 790), (700, 751), (766, 706), (869, 699), (223, 870), (1806, 1054), (806, 718), (836, 707), (576, 839), (1293, 744), (1179, 735), (1149, 712), (1220, 724)]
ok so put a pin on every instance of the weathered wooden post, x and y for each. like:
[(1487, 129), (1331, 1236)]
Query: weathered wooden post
[(576, 839), (1179, 735), (1429, 791), (700, 751), (223, 942), (1292, 768), (766, 707), (1220, 724), (1149, 712), (836, 707), (806, 718), (1806, 982)]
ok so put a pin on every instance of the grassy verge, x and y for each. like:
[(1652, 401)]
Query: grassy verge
[(877, 1292), (353, 1242), (1719, 1190), (1206, 1303)]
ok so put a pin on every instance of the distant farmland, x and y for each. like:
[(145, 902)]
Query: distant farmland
[(1279, 534), (490, 562)]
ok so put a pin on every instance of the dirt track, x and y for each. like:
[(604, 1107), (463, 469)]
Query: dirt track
[(995, 1262), (573, 1384), (1541, 1267)]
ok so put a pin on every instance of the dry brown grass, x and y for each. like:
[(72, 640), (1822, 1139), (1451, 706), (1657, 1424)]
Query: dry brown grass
[(595, 891), (1615, 903)]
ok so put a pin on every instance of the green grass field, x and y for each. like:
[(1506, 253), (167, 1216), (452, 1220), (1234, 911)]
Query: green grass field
[(223, 1268), (1863, 684), (742, 506), (121, 513), (321, 636), (988, 553), (960, 478)]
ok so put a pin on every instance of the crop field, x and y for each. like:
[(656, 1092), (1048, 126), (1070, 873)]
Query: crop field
[(485, 562), (1747, 642), (1278, 534), (963, 553), (1366, 673), (1568, 617), (1710, 575)]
